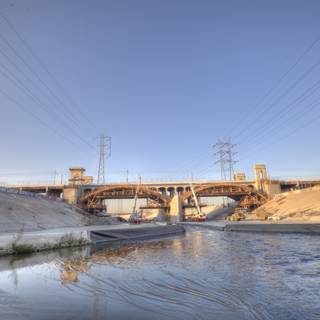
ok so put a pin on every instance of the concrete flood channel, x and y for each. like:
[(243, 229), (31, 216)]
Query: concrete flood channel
[(201, 273)]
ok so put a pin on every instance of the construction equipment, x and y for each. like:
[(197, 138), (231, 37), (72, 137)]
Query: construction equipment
[(135, 217), (199, 217)]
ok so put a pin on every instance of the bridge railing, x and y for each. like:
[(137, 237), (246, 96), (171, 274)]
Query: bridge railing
[(31, 184), (172, 181), (28, 194)]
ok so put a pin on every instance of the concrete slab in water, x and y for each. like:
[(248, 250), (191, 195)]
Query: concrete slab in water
[(312, 228), (141, 233)]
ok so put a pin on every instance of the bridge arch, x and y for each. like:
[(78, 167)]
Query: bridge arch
[(246, 195), (92, 201)]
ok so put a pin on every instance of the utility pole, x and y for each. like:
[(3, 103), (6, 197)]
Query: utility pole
[(105, 152), (127, 176), (54, 176)]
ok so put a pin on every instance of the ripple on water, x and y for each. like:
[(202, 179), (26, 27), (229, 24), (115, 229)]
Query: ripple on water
[(202, 275)]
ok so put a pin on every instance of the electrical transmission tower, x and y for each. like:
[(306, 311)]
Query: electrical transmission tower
[(226, 159), (230, 157), (105, 152), (222, 161)]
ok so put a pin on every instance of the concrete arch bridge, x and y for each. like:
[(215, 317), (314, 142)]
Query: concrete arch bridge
[(247, 196), (92, 200), (168, 196), (172, 202)]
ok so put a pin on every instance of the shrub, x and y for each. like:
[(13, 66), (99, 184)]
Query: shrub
[(22, 248)]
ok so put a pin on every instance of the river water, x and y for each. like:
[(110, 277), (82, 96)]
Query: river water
[(200, 275)]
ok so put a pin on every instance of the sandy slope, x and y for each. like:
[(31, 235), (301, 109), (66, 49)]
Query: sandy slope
[(22, 212), (302, 205)]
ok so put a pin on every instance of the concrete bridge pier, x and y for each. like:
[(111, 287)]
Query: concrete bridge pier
[(72, 194), (161, 216), (263, 183), (176, 210)]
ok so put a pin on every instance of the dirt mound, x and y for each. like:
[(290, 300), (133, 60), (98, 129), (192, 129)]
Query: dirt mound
[(21, 212), (301, 205)]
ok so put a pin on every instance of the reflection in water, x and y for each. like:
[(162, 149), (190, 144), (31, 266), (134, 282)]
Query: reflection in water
[(70, 269), (202, 275)]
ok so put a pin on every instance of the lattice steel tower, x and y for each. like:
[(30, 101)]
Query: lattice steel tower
[(226, 159), (230, 157), (105, 152), (222, 161)]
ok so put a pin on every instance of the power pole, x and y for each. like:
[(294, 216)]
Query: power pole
[(54, 176), (105, 152)]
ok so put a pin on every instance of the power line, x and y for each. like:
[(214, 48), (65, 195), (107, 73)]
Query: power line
[(282, 125), (20, 84), (279, 97), (32, 82), (44, 67), (289, 134), (273, 88), (29, 92), (186, 166), (268, 108), (35, 74), (282, 113), (22, 107)]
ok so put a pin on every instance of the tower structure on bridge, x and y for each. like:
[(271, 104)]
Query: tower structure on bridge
[(105, 152)]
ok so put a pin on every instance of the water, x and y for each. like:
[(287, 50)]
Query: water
[(202, 275)]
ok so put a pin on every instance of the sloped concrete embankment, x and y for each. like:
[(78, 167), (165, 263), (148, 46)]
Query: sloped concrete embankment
[(23, 212), (298, 206)]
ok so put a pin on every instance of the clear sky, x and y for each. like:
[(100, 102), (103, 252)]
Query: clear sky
[(165, 79)]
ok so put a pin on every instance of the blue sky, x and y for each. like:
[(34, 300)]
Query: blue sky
[(165, 79)]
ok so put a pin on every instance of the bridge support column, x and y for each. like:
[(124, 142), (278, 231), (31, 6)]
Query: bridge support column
[(161, 216), (260, 174), (71, 194), (271, 187), (176, 210)]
